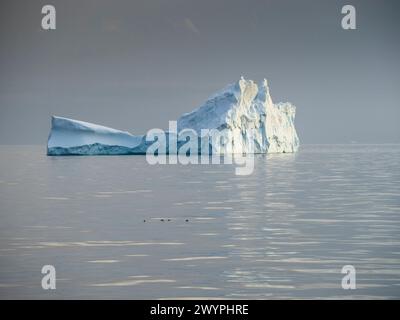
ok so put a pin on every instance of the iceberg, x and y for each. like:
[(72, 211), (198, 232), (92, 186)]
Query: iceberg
[(243, 109)]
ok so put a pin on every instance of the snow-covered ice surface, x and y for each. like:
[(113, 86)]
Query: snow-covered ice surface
[(243, 109), (68, 136)]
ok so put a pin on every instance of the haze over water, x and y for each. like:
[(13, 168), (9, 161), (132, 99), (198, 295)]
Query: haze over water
[(117, 227)]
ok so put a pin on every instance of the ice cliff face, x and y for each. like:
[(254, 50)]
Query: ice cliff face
[(244, 110), (248, 112)]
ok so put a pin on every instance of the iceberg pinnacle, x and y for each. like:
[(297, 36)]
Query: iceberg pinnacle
[(243, 109)]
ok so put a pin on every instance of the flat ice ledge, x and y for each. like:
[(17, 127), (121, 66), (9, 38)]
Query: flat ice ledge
[(74, 137)]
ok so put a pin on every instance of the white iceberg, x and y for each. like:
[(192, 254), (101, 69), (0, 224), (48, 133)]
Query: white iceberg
[(243, 109)]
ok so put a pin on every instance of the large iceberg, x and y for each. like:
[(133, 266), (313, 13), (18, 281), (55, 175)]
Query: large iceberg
[(243, 109)]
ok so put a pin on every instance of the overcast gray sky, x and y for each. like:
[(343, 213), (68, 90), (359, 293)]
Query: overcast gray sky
[(134, 65)]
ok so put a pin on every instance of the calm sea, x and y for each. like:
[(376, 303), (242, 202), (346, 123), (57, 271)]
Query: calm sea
[(117, 227)]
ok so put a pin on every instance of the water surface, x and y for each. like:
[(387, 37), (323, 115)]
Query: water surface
[(117, 227)]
